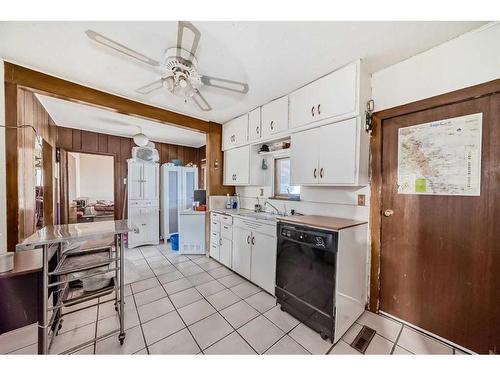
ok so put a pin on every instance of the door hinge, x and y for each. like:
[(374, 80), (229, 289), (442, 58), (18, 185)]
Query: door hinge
[(370, 106)]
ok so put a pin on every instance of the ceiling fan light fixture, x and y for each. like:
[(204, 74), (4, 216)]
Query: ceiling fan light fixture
[(169, 83), (141, 140)]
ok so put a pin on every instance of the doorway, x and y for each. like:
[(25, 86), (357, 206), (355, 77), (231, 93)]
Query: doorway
[(90, 187), (439, 254)]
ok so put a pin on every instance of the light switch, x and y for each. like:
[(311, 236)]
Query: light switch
[(361, 199)]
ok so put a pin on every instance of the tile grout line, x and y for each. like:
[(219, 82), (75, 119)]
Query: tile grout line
[(395, 343)]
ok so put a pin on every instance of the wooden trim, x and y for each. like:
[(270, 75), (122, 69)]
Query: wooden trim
[(375, 211), (62, 89), (11, 117), (457, 96), (214, 154)]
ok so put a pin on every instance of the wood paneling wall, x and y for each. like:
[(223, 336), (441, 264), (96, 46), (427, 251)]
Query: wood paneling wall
[(31, 112), (120, 148)]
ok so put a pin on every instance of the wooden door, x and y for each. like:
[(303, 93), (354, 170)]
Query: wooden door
[(304, 157), (48, 184), (337, 157), (440, 255)]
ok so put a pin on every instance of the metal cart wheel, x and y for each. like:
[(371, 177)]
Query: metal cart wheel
[(324, 336)]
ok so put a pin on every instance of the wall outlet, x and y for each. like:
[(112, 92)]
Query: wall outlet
[(361, 199)]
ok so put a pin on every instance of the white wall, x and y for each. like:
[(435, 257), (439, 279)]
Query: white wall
[(95, 177), (3, 209), (468, 60)]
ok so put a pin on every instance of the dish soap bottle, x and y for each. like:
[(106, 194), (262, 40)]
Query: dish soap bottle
[(228, 202), (235, 201)]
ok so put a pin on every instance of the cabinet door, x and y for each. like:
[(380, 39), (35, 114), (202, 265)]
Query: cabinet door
[(189, 185), (237, 166), (134, 218), (214, 251), (275, 117), (242, 251), (337, 160), (329, 97), (254, 126), (150, 224), (226, 250), (304, 157), (235, 132), (263, 267), (150, 174), (135, 181)]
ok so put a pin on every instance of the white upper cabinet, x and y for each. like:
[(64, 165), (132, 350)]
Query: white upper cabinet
[(334, 154), (242, 166), (235, 132), (304, 158), (254, 125), (333, 97), (151, 173), (274, 117), (143, 180)]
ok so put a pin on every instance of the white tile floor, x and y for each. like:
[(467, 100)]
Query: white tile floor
[(179, 304)]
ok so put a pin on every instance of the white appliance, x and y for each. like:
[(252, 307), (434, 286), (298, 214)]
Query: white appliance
[(143, 202), (177, 186), (192, 232)]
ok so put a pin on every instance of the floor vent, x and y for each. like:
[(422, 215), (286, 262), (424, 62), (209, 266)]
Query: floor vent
[(363, 339)]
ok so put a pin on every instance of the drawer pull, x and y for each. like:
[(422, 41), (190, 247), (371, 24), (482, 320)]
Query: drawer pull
[(257, 129)]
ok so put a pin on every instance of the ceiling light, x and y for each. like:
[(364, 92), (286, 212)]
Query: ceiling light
[(141, 140)]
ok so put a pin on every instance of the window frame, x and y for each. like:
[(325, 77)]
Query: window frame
[(276, 193)]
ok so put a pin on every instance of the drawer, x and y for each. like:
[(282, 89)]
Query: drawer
[(256, 226), (215, 226), (214, 237), (214, 216), (215, 251), (226, 231), (226, 219)]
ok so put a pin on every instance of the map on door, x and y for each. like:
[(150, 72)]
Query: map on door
[(441, 157)]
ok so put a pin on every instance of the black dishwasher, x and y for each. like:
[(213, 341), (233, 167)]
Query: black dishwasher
[(305, 275)]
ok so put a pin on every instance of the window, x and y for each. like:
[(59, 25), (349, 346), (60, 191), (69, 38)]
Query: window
[(282, 187)]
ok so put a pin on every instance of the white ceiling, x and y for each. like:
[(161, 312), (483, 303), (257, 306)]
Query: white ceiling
[(273, 57), (81, 116)]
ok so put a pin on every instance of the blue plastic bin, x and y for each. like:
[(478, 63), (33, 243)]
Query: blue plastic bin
[(174, 239)]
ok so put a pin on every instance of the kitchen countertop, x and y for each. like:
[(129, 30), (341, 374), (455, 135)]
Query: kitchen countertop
[(323, 222), (81, 231)]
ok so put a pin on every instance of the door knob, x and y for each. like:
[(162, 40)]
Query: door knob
[(388, 213)]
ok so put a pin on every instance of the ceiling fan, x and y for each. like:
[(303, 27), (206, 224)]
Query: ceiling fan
[(179, 67)]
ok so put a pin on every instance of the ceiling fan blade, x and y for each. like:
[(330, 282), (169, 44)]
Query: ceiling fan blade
[(188, 38), (201, 101), (105, 41), (225, 84), (150, 87)]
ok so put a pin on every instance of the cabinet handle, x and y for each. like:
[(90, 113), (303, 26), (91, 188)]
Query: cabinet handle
[(220, 241), (253, 240), (321, 173), (312, 111), (248, 240), (319, 109), (314, 173), (257, 129), (272, 125)]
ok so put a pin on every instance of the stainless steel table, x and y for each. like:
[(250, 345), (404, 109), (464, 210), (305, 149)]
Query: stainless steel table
[(57, 275)]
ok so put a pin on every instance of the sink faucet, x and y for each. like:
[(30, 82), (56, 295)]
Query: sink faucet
[(273, 206)]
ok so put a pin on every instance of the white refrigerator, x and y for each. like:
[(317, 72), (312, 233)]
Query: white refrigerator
[(177, 186)]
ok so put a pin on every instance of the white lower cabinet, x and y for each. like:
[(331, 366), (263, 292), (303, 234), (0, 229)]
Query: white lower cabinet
[(226, 252), (242, 251), (248, 247), (263, 270), (215, 251)]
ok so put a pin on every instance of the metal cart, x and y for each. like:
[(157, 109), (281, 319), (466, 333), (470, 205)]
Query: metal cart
[(63, 269)]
